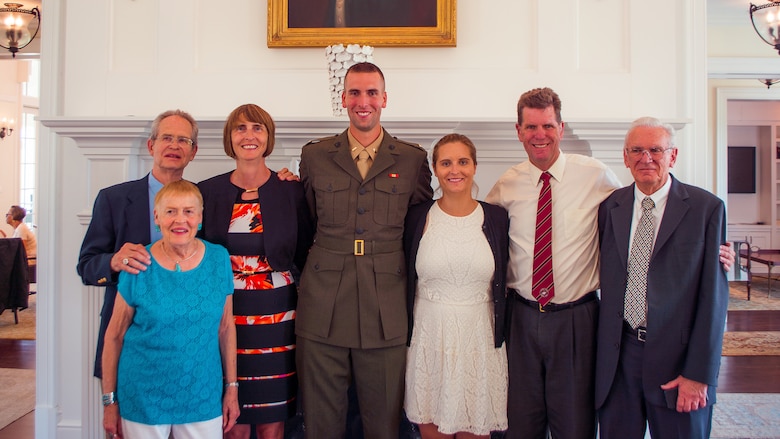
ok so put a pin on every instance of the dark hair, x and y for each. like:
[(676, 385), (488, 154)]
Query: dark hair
[(252, 113), (364, 67), (183, 114), (454, 138), (539, 98), (18, 213)]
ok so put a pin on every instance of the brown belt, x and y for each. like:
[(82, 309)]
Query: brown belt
[(358, 247)]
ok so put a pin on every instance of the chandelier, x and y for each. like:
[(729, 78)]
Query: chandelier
[(20, 26)]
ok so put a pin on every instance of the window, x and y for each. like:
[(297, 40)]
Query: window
[(28, 162), (28, 142)]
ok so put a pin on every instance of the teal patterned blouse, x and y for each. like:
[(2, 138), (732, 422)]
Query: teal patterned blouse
[(170, 368)]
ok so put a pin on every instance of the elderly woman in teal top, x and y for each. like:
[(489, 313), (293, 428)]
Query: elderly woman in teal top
[(172, 338)]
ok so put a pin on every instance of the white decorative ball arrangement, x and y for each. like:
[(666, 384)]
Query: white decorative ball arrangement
[(340, 58)]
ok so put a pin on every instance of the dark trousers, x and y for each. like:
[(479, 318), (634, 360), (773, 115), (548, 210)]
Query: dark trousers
[(325, 372), (552, 358), (626, 413)]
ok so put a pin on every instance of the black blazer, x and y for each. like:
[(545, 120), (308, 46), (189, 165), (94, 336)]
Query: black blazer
[(14, 286), (496, 229), (286, 218)]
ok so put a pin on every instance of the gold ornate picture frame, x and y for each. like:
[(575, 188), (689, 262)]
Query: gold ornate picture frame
[(280, 34)]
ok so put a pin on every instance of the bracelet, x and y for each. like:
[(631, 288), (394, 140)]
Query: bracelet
[(109, 399), (231, 384)]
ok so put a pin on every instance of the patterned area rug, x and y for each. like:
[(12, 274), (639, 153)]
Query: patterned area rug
[(17, 394), (746, 416), (751, 343), (25, 330), (760, 297)]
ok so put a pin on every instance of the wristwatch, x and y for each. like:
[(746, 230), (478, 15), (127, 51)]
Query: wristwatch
[(109, 398)]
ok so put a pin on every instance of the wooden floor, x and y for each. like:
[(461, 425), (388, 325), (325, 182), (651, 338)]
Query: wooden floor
[(18, 354), (754, 374)]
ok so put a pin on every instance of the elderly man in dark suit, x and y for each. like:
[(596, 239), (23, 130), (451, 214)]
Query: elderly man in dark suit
[(663, 297), (351, 319), (122, 222)]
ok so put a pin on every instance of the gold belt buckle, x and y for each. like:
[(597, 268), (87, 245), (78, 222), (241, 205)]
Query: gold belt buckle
[(359, 247)]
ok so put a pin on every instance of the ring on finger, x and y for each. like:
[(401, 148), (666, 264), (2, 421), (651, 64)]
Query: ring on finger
[(126, 261)]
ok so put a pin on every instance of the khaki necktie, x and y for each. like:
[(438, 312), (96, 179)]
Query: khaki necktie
[(363, 162), (635, 301)]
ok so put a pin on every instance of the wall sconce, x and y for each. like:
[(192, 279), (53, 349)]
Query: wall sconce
[(20, 25), (6, 128)]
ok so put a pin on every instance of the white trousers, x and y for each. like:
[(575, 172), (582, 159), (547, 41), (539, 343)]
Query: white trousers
[(211, 429)]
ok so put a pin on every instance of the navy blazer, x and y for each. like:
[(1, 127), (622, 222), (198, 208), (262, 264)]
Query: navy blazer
[(286, 219), (496, 229), (687, 291), (121, 214)]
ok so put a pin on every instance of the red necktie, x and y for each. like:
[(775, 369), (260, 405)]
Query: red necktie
[(542, 287)]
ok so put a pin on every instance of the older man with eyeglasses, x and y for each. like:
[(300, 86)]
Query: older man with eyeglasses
[(663, 297), (122, 219)]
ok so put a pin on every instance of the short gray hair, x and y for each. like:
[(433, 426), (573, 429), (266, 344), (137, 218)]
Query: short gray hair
[(183, 114), (651, 122)]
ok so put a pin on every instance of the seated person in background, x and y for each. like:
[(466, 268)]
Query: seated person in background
[(14, 218)]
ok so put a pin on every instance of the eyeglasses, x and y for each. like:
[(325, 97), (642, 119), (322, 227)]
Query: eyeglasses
[(181, 141), (655, 152)]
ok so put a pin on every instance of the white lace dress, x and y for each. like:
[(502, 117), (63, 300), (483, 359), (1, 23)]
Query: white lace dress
[(455, 377)]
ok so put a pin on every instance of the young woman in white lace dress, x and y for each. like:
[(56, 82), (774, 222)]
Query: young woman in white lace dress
[(456, 373)]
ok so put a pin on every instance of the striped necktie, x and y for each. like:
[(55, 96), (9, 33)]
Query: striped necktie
[(543, 288)]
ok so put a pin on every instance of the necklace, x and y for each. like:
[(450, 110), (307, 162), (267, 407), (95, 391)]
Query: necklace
[(176, 266)]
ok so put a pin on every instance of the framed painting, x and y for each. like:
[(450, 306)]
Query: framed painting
[(320, 23)]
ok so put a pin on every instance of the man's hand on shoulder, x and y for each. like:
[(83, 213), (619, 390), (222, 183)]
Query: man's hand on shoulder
[(132, 258), (284, 174)]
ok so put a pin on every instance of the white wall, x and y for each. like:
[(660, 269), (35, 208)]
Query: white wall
[(607, 59), (111, 66)]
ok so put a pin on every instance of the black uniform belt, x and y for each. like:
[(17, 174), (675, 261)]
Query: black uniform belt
[(358, 247), (552, 307), (640, 333)]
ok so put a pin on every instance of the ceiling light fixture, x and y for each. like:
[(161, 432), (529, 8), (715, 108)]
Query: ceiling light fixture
[(20, 26), (769, 82)]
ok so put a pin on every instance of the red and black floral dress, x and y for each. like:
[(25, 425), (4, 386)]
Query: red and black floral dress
[(264, 308)]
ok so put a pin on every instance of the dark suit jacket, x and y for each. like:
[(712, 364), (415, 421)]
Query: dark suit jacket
[(287, 225), (358, 301), (120, 215), (14, 285), (687, 291), (496, 229)]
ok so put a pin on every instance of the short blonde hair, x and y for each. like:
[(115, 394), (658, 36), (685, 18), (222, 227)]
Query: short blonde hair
[(180, 188)]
